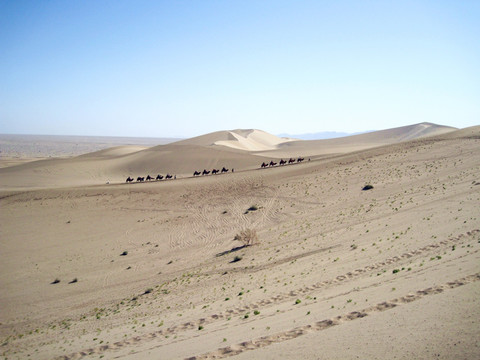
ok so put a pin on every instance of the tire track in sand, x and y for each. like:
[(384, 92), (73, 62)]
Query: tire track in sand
[(327, 323), (286, 297)]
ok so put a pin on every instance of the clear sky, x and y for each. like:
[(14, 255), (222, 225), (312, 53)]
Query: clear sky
[(186, 68)]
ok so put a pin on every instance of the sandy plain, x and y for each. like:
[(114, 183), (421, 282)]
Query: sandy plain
[(337, 273)]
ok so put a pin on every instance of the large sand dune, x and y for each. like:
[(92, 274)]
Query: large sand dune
[(337, 273), (237, 149)]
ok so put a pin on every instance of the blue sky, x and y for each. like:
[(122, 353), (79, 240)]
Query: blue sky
[(186, 68)]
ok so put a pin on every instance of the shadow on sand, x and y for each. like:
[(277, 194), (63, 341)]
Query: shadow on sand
[(231, 250)]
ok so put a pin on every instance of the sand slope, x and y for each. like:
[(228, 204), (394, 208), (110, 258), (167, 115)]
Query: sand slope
[(238, 149), (116, 164), (342, 145), (242, 139), (338, 272)]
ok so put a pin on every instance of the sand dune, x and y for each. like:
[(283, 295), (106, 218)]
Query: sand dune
[(153, 270), (238, 149), (252, 140), (116, 164), (241, 139), (342, 145)]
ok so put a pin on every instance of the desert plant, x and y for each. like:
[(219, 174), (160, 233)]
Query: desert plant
[(56, 281), (367, 187), (236, 258), (248, 237), (125, 253)]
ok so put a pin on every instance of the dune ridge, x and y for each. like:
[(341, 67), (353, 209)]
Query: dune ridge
[(238, 149)]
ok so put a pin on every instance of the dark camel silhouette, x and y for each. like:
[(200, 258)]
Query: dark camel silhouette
[(129, 179), (168, 176), (272, 163), (159, 177), (215, 171), (149, 178), (291, 161), (140, 179), (283, 162), (205, 172), (300, 159), (264, 165), (224, 170), (196, 173)]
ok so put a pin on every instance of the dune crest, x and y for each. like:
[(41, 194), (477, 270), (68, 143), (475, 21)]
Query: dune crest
[(252, 140)]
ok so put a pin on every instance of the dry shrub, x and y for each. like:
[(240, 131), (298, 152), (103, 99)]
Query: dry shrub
[(248, 237)]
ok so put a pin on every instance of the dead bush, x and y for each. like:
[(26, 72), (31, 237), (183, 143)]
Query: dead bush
[(248, 237)]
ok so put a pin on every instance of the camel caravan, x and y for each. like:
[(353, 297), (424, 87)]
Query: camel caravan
[(282, 162), (150, 178), (213, 171), (168, 176)]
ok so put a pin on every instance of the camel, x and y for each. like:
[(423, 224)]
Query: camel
[(168, 176), (196, 173), (215, 171), (205, 172), (291, 161), (272, 163), (224, 169), (300, 159), (140, 179), (264, 165), (283, 162), (150, 178), (159, 177), (129, 179)]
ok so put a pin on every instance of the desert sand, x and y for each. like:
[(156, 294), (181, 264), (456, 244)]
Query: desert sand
[(92, 267)]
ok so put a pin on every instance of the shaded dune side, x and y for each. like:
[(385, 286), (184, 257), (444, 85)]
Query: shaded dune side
[(113, 166)]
